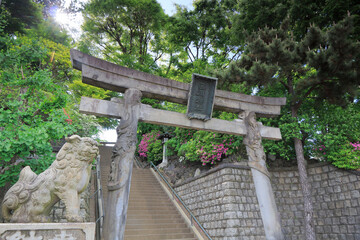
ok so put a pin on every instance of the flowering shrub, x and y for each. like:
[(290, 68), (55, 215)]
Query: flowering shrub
[(320, 151), (150, 147), (347, 156), (216, 154), (356, 146), (208, 147), (68, 120), (344, 156)]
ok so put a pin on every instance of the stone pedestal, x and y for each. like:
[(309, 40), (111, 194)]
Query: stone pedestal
[(47, 231)]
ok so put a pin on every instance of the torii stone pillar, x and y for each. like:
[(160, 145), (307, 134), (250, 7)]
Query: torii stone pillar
[(121, 168), (261, 178), (110, 76)]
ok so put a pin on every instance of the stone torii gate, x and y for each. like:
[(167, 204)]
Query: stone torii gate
[(138, 84)]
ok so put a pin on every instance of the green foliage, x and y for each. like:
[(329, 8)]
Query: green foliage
[(181, 136), (204, 147), (344, 156), (126, 31), (31, 115), (35, 105), (49, 29), (322, 65), (255, 15), (333, 131), (203, 33), (23, 14), (150, 147)]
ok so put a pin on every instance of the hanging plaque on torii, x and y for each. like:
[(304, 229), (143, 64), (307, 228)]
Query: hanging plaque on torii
[(201, 97), (135, 84)]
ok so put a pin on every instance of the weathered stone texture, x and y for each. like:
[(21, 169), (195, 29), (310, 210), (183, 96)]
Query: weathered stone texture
[(224, 201), (57, 214), (32, 197), (336, 197), (47, 231)]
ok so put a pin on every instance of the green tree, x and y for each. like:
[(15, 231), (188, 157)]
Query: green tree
[(31, 108), (124, 31), (203, 33), (23, 14), (37, 104), (274, 56), (260, 13), (332, 135), (50, 29)]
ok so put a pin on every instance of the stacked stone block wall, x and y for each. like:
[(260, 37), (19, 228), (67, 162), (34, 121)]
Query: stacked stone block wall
[(224, 201), (336, 198)]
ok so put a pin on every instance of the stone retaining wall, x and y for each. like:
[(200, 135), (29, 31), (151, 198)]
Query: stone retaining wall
[(336, 197), (224, 200)]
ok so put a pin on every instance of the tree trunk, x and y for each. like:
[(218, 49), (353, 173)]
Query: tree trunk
[(305, 186)]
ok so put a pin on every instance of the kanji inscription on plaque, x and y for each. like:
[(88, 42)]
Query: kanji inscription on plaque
[(201, 97)]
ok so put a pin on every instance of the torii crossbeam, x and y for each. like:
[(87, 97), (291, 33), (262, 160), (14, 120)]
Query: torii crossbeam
[(135, 84)]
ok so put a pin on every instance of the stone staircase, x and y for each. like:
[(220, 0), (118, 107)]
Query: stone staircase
[(151, 214)]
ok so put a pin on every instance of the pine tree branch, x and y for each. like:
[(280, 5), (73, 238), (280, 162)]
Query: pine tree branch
[(285, 85), (298, 104), (4, 169)]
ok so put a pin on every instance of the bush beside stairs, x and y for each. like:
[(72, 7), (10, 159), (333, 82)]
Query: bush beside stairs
[(151, 214)]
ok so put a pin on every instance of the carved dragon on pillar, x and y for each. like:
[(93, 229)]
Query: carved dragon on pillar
[(126, 141), (253, 143)]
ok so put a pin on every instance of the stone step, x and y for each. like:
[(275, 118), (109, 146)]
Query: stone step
[(150, 221), (149, 201), (159, 199), (157, 210), (149, 188), (151, 214), (142, 178), (155, 230), (147, 191), (156, 226), (145, 207), (160, 236), (149, 206), (149, 197), (145, 186)]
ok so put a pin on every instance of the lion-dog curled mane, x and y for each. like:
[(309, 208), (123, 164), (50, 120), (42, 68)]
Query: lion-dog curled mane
[(32, 197)]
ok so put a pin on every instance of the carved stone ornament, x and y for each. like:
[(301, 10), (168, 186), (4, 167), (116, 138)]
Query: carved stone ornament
[(121, 168), (253, 143), (33, 196), (123, 152)]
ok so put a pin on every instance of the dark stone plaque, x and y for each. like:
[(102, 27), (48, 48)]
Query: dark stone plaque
[(201, 97)]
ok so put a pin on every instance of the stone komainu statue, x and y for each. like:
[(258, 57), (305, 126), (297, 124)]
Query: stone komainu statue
[(33, 196)]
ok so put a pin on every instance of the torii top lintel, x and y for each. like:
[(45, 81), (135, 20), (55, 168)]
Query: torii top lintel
[(113, 77)]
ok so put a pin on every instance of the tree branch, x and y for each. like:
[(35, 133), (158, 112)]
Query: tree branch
[(8, 166), (298, 103), (285, 85), (188, 50)]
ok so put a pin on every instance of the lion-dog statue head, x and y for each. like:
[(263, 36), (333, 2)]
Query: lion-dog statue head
[(33, 196)]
